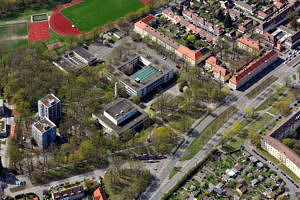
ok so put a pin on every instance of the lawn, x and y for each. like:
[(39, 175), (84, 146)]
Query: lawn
[(13, 36), (174, 171), (259, 124), (208, 132), (96, 13)]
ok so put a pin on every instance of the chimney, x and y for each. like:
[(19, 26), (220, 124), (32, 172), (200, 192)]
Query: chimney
[(116, 90)]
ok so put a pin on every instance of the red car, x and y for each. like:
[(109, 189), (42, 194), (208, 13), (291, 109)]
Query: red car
[(255, 152)]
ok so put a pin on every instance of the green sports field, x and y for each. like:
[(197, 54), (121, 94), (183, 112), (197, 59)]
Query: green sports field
[(95, 13)]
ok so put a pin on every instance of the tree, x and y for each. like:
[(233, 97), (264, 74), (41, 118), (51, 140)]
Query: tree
[(288, 142), (237, 127), (248, 111), (256, 139), (277, 88), (227, 21), (87, 150), (136, 100), (191, 38), (283, 107), (220, 15), (163, 139), (294, 23)]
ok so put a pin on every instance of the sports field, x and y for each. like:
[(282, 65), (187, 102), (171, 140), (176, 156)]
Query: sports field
[(95, 13), (13, 36)]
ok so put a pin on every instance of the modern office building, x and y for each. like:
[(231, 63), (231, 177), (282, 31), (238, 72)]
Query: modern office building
[(44, 132), (120, 115), (50, 107), (272, 142)]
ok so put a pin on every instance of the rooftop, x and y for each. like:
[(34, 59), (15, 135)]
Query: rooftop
[(1, 102), (119, 108), (250, 43), (84, 54), (49, 100), (43, 125), (78, 190), (144, 74)]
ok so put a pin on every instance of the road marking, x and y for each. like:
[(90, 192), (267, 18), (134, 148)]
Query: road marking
[(158, 174)]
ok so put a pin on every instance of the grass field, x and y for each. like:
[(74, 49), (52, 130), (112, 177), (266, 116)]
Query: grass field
[(13, 36), (95, 13)]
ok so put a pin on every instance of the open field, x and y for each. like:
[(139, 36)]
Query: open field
[(95, 13), (13, 36)]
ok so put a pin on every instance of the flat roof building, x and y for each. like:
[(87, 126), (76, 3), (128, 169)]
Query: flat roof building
[(50, 107), (120, 115), (140, 76), (44, 132)]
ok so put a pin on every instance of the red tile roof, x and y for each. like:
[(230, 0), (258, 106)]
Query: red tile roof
[(252, 67), (250, 43), (270, 138), (13, 131), (238, 167), (194, 55), (244, 5), (148, 19), (99, 194), (216, 65)]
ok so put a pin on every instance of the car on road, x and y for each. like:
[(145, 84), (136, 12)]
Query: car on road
[(164, 58), (263, 157)]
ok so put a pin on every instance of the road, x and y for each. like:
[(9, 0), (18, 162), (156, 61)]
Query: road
[(291, 187), (13, 22), (162, 183)]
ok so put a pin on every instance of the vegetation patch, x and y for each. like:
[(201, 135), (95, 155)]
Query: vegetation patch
[(174, 171), (208, 132), (95, 13), (263, 85)]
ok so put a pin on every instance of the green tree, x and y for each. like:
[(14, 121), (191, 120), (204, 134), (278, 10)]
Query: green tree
[(288, 142), (237, 127), (191, 38), (136, 100), (248, 111), (227, 21), (220, 15), (163, 139), (87, 150), (283, 107)]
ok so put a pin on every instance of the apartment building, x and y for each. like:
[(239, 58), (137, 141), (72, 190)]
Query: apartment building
[(74, 193), (272, 142), (192, 57), (50, 107), (1, 107), (44, 132), (277, 19), (293, 41), (119, 116), (219, 72), (255, 67), (245, 7), (249, 45)]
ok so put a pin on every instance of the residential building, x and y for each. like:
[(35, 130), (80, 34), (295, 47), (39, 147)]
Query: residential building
[(44, 132), (245, 7), (13, 131), (255, 67), (144, 28), (277, 19), (74, 193), (271, 142), (140, 77), (83, 56), (234, 14), (249, 45), (219, 72), (99, 194), (266, 12), (293, 41), (50, 107), (241, 189), (246, 25), (3, 130), (120, 115)]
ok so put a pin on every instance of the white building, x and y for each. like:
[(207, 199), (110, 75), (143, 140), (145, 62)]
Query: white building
[(50, 107)]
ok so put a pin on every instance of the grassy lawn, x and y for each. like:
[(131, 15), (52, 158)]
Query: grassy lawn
[(269, 101), (236, 142), (95, 13), (260, 123), (289, 172), (13, 36), (174, 171), (208, 132), (263, 85), (268, 156)]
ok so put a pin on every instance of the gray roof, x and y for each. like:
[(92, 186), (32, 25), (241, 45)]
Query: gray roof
[(84, 54), (119, 108)]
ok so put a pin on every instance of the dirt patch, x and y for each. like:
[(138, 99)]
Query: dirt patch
[(14, 37)]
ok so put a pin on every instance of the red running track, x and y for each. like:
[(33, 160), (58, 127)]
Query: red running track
[(62, 25), (39, 31)]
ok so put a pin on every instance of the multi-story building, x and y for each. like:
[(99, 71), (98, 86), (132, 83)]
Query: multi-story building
[(50, 107), (272, 142), (293, 41), (74, 193), (3, 130), (144, 28), (244, 6), (120, 115), (219, 72), (244, 75), (83, 56), (249, 45), (140, 77), (279, 18), (44, 132)]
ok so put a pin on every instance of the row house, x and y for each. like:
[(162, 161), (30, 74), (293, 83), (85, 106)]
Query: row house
[(253, 69), (190, 56), (202, 23), (277, 19), (246, 25), (267, 12), (249, 45), (244, 6)]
